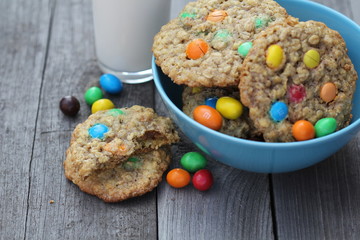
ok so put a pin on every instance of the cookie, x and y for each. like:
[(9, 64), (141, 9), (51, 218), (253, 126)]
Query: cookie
[(240, 127), (140, 174), (297, 71), (200, 46), (110, 137)]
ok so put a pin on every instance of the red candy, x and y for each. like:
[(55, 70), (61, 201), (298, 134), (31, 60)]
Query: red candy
[(203, 180), (296, 93)]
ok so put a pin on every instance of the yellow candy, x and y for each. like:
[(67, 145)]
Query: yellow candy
[(102, 104), (274, 56), (196, 89), (229, 107), (312, 58)]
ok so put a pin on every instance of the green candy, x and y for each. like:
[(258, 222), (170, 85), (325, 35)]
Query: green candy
[(132, 164), (193, 161), (92, 95), (222, 34), (115, 112), (244, 48), (188, 15), (262, 22), (325, 126)]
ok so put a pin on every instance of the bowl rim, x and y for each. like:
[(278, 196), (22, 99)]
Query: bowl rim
[(347, 130)]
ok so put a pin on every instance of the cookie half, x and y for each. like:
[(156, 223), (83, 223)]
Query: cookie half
[(297, 71), (200, 46), (140, 174), (110, 137)]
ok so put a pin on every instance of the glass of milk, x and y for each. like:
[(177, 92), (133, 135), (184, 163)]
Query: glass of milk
[(124, 32)]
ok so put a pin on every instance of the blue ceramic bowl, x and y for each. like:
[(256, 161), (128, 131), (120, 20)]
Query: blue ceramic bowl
[(271, 157)]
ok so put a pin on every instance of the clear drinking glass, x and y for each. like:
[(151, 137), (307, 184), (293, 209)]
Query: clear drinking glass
[(124, 32)]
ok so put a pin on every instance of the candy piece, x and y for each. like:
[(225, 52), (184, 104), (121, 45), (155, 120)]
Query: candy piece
[(132, 163), (208, 117), (102, 104), (193, 161), (98, 131), (115, 112), (188, 15), (261, 22), (110, 83), (311, 58), (325, 126), (303, 130), (217, 16), (69, 105), (196, 49), (274, 56), (229, 107), (296, 93), (178, 178), (278, 111), (328, 92), (203, 180), (244, 48), (211, 102), (93, 94)]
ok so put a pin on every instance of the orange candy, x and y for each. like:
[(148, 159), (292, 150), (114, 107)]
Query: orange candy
[(328, 92), (178, 178), (303, 130), (208, 117), (196, 49), (216, 16)]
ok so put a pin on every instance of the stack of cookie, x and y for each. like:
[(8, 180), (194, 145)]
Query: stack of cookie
[(280, 69), (120, 153)]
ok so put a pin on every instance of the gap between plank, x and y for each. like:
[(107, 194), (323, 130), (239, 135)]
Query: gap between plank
[(272, 206)]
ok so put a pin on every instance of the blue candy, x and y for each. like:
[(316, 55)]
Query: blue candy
[(111, 83), (211, 102), (98, 131), (278, 111)]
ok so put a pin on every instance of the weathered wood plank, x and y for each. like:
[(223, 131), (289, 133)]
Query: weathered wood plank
[(236, 207), (70, 69), (23, 39), (321, 202)]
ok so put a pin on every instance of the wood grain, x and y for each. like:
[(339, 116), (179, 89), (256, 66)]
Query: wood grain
[(23, 42)]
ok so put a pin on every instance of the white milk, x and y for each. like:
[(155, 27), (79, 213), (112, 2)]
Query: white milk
[(124, 32)]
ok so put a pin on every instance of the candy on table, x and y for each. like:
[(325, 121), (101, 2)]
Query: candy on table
[(203, 180), (303, 130), (328, 92), (211, 102), (196, 49), (69, 105), (208, 117), (102, 104), (178, 178), (110, 83), (193, 161), (296, 93), (278, 111), (274, 56), (312, 58), (325, 126), (216, 16), (244, 48), (92, 95), (229, 107), (98, 131)]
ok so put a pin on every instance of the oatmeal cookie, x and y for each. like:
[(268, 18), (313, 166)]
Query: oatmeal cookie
[(110, 137), (200, 46), (241, 127), (139, 174), (297, 71)]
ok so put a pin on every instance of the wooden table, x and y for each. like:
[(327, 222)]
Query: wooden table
[(47, 52)]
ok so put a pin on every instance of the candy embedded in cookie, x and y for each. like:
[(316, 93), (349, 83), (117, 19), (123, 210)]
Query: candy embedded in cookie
[(110, 137), (223, 110), (298, 72), (201, 47)]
